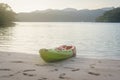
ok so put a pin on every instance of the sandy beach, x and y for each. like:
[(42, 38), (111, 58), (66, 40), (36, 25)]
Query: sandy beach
[(20, 66)]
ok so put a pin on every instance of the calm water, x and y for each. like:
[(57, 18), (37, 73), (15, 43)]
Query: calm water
[(93, 40)]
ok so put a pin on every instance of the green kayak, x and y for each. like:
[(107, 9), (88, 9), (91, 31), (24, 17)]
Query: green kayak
[(59, 53), (52, 55)]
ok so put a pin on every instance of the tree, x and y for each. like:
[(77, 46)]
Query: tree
[(110, 16), (6, 14)]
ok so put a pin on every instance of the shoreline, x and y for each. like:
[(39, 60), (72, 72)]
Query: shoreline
[(20, 66), (78, 56)]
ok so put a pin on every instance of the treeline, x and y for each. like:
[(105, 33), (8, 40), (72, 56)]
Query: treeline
[(110, 16), (65, 15), (7, 16)]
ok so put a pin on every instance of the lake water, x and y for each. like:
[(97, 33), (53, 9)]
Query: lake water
[(93, 40)]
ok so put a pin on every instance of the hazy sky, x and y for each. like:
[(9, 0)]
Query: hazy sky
[(31, 5)]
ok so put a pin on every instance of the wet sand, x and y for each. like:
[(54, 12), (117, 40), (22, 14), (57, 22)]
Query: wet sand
[(20, 66)]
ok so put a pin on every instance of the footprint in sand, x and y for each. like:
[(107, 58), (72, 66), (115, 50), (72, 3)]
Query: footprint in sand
[(43, 78), (10, 75), (62, 76), (77, 69), (28, 74), (93, 73), (73, 69), (54, 70), (5, 69), (92, 65), (17, 61), (7, 76), (29, 70)]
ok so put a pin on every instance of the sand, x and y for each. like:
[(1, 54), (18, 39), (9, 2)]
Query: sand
[(20, 66)]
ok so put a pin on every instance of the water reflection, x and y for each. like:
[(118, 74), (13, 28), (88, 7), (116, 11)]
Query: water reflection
[(6, 36), (8, 25)]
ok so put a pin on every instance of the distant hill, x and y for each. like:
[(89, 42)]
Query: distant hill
[(65, 15), (110, 16)]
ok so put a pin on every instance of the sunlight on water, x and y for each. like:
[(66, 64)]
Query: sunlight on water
[(93, 40)]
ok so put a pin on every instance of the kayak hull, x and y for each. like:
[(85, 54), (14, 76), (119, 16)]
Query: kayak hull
[(52, 55)]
